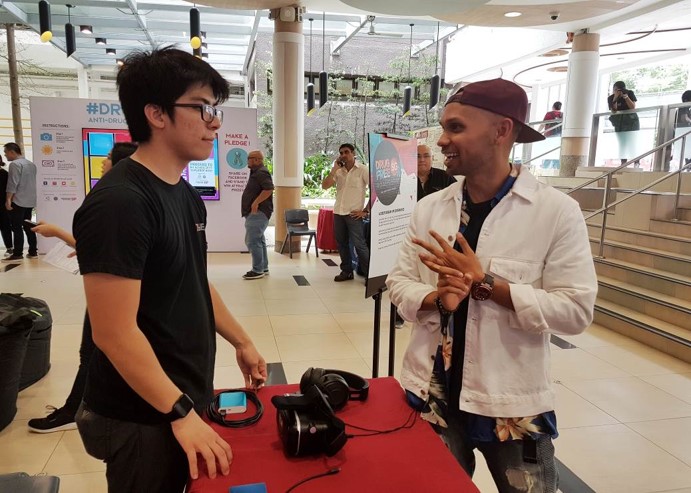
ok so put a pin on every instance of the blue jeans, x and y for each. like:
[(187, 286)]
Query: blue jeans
[(255, 225), (505, 460), (349, 230)]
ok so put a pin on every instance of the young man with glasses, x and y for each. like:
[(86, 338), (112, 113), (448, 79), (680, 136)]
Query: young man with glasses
[(490, 268), (141, 246)]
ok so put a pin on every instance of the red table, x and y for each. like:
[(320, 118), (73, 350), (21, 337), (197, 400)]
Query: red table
[(325, 230), (409, 460)]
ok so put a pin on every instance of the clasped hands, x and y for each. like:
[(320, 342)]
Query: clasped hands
[(457, 270)]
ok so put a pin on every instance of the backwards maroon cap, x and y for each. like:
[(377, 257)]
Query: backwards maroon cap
[(501, 97)]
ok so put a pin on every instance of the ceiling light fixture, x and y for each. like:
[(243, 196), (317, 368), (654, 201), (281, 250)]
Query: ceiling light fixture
[(513, 14), (70, 36), (120, 62), (195, 29), (101, 41), (310, 86), (44, 21), (86, 29), (408, 91), (323, 76), (435, 81), (111, 51)]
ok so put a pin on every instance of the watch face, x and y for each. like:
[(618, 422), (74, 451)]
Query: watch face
[(481, 292)]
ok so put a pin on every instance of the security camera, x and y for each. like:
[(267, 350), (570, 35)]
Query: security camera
[(554, 15)]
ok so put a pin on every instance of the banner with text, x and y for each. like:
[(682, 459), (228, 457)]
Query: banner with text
[(72, 137), (393, 194)]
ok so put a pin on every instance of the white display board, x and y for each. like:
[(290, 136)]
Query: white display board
[(62, 131)]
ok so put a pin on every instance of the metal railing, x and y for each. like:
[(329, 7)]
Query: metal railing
[(608, 185), (552, 127)]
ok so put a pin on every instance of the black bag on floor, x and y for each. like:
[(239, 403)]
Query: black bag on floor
[(37, 359), (15, 329)]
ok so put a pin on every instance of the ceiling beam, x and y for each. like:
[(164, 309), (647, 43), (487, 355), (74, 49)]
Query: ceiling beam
[(141, 20), (447, 32), (253, 40), (354, 29)]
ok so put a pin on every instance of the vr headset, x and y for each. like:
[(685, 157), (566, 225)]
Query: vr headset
[(307, 424)]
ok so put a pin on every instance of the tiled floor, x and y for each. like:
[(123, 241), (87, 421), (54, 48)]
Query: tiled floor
[(624, 410)]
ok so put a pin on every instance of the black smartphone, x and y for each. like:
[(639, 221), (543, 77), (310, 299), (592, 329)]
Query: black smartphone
[(30, 223)]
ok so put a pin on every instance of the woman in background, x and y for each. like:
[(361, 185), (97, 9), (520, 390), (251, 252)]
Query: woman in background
[(625, 125), (62, 419)]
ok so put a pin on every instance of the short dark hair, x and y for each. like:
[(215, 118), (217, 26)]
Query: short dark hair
[(557, 105), (620, 84), (686, 96), (160, 77), (121, 150), (14, 147), (349, 146)]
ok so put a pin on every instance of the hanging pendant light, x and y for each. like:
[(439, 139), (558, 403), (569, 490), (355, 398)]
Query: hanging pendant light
[(195, 29), (323, 76), (70, 36), (310, 86), (44, 21), (408, 91), (435, 81)]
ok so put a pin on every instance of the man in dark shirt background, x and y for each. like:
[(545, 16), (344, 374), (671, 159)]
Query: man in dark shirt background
[(429, 179), (141, 246), (257, 207)]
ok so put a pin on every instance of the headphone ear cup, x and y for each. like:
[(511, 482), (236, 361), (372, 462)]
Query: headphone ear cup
[(311, 377), (336, 389)]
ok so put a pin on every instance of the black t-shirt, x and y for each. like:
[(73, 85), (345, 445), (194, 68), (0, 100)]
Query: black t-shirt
[(438, 180), (258, 181), (478, 213), (682, 117), (135, 225)]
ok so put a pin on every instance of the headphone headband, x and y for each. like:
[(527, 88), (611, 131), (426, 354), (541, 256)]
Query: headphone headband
[(358, 386)]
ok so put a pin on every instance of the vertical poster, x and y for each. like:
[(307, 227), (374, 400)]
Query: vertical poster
[(72, 137), (393, 194)]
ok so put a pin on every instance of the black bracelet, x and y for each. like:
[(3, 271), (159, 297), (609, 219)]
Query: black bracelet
[(444, 314)]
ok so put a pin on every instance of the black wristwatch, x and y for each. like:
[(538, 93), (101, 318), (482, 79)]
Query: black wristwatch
[(181, 408), (482, 290)]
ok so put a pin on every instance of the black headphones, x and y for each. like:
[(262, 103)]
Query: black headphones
[(337, 386)]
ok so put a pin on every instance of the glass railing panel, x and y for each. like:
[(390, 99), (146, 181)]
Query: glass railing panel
[(624, 135)]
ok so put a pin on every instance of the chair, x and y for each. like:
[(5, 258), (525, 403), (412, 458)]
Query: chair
[(297, 224)]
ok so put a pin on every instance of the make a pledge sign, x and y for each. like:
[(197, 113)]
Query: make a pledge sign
[(70, 137), (393, 194)]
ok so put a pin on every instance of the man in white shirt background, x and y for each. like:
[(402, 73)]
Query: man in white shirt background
[(351, 180)]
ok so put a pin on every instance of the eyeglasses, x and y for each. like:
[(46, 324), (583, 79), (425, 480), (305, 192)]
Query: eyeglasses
[(426, 156), (208, 112)]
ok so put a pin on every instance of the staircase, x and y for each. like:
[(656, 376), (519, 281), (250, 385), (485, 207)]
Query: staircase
[(644, 280)]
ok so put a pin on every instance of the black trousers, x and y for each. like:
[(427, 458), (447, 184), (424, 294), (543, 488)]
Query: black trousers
[(17, 217), (5, 226), (139, 458), (86, 350)]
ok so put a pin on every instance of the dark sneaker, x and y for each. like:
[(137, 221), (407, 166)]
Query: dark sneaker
[(32, 255), (59, 420), (266, 272), (253, 275), (13, 258), (344, 276)]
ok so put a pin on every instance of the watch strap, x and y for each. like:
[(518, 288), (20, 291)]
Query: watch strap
[(181, 408)]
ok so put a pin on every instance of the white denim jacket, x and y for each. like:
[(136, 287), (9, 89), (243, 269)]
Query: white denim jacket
[(535, 239)]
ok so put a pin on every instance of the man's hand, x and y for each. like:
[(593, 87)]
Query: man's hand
[(465, 261), (453, 287), (8, 205), (252, 366), (255, 208), (358, 214), (197, 437)]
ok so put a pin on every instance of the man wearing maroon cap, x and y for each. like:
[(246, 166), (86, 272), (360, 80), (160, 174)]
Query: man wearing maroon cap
[(490, 267)]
